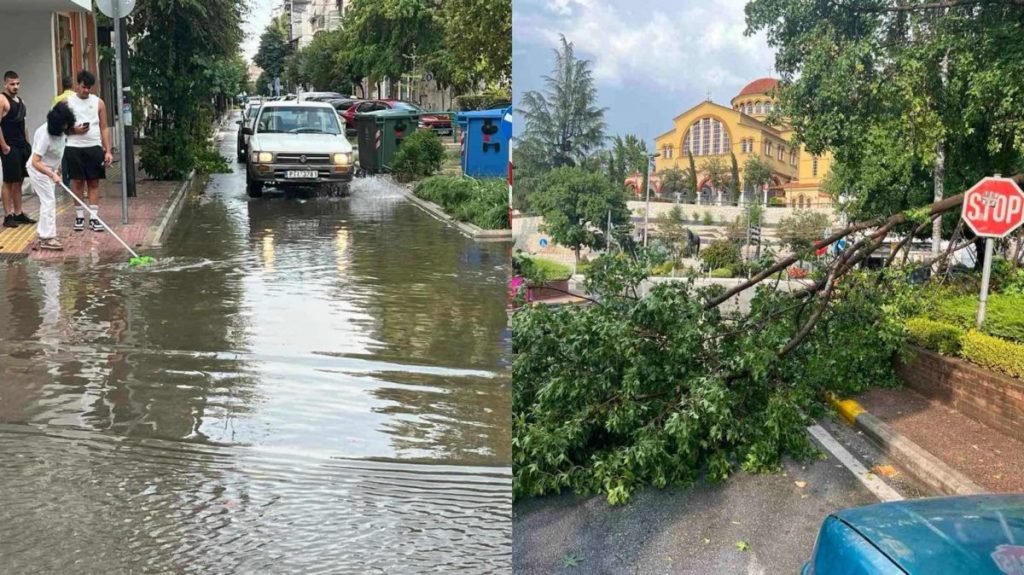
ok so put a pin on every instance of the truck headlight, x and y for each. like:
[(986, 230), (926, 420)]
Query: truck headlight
[(262, 157), (343, 159)]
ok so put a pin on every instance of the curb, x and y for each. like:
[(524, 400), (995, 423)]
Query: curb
[(155, 238), (469, 230), (921, 464)]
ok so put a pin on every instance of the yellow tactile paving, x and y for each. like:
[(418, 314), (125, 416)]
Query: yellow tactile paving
[(15, 240)]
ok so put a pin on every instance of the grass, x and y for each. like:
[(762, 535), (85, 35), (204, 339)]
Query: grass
[(483, 203)]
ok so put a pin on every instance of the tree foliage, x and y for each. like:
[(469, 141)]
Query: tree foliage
[(479, 37), (675, 181), (563, 124), (274, 48), (184, 54), (864, 79), (717, 173), (575, 204), (663, 390), (800, 231), (627, 156)]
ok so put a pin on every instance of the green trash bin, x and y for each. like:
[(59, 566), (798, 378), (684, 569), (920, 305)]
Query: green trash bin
[(380, 134)]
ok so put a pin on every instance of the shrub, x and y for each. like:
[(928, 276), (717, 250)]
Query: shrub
[(722, 273), (663, 269), (721, 254), (481, 202), (487, 101), (708, 219), (935, 335), (420, 155), (695, 216), (538, 270), (1004, 317), (993, 352)]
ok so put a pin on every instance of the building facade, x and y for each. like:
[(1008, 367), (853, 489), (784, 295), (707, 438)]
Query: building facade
[(710, 130), (46, 40)]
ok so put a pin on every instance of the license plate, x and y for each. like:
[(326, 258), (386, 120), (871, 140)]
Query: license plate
[(444, 132), (301, 174)]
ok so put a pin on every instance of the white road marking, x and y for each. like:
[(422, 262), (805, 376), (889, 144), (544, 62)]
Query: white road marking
[(879, 488)]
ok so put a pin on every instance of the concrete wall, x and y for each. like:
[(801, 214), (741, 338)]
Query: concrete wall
[(28, 50), (721, 214), (991, 398)]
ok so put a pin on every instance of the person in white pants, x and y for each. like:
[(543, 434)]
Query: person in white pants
[(44, 170)]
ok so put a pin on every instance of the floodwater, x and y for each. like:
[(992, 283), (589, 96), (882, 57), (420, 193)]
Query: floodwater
[(299, 384)]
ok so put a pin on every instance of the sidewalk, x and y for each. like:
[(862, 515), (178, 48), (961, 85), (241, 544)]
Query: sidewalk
[(150, 214), (989, 458)]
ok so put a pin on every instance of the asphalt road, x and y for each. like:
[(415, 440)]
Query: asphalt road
[(699, 530)]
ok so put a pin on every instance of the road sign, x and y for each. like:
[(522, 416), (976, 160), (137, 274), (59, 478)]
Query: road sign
[(543, 242), (994, 207), (125, 7)]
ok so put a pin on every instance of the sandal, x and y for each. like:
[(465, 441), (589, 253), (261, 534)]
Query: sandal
[(52, 244)]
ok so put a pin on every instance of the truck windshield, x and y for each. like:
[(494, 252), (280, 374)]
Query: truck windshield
[(298, 120)]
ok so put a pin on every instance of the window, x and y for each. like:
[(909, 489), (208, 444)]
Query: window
[(716, 140), (705, 133), (750, 108), (686, 143), (767, 107), (297, 120), (782, 152), (707, 136), (814, 166), (757, 108), (792, 157), (768, 149), (667, 152)]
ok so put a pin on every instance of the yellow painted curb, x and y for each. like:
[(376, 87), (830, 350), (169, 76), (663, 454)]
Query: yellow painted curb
[(847, 408), (17, 240)]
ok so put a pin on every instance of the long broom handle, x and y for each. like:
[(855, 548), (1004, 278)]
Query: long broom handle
[(96, 216)]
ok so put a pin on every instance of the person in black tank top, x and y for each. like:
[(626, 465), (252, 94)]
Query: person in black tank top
[(15, 151)]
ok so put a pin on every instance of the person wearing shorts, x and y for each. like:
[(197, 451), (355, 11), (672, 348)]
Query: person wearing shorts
[(14, 151), (44, 170), (88, 148)]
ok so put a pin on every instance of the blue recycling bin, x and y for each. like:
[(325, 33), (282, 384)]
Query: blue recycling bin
[(484, 143)]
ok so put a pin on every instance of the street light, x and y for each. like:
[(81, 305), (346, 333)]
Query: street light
[(647, 209)]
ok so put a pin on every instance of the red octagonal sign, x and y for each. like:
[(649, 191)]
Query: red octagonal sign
[(994, 207)]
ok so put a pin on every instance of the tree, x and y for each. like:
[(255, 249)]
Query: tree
[(734, 180), (389, 38), (757, 173), (716, 172), (673, 234), (675, 181), (184, 55), (911, 98), (274, 48), (722, 254), (478, 34), (627, 156), (801, 231), (575, 204), (563, 125), (692, 174)]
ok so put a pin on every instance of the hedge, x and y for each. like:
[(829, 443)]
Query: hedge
[(935, 335), (993, 352), (722, 273), (480, 202), (1004, 316)]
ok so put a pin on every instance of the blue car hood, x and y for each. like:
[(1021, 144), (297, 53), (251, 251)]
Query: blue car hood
[(979, 535)]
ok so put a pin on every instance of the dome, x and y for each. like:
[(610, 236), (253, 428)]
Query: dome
[(759, 86)]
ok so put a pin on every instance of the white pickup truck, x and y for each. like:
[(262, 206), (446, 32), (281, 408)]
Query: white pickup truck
[(298, 144)]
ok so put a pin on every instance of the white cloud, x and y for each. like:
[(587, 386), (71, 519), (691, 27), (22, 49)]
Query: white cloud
[(655, 43)]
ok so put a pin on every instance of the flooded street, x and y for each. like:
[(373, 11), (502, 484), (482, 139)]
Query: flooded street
[(299, 384)]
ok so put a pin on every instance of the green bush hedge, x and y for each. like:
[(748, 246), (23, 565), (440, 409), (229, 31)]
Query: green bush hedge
[(481, 202), (419, 156), (663, 269), (1004, 317), (935, 335), (992, 352), (722, 273)]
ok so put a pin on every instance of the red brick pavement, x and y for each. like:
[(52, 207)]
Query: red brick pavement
[(145, 213)]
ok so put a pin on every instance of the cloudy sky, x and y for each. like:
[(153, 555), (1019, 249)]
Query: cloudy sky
[(255, 21), (652, 59)]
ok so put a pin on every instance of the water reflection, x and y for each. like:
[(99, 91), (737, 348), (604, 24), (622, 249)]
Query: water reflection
[(293, 377)]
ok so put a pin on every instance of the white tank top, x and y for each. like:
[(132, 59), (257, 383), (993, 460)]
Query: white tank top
[(87, 110)]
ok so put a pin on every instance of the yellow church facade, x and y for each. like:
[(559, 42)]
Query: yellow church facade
[(710, 130)]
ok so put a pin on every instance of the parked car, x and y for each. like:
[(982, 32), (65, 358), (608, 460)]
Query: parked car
[(442, 125), (298, 144), (318, 96), (248, 113), (976, 534)]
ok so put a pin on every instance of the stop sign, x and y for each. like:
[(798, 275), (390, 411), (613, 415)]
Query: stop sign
[(994, 207)]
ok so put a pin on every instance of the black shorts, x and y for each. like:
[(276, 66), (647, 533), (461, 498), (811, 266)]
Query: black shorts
[(85, 163), (15, 163)]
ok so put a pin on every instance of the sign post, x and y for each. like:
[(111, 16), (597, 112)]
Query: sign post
[(992, 208), (118, 10)]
